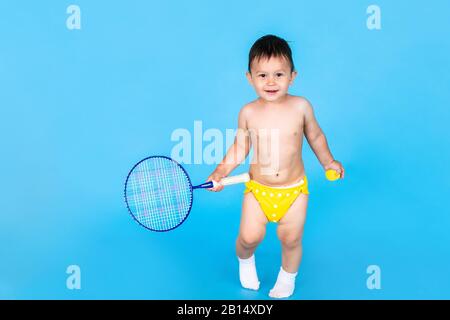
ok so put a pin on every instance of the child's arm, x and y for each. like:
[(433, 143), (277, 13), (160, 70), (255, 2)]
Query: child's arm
[(318, 142), (237, 152)]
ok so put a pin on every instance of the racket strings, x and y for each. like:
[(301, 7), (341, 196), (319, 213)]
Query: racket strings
[(158, 193)]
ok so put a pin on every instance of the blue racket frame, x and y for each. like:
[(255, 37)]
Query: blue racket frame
[(205, 185)]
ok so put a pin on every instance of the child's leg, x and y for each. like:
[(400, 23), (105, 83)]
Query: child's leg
[(290, 232), (252, 228), (251, 232)]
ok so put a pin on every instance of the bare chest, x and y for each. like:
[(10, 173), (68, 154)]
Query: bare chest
[(275, 123)]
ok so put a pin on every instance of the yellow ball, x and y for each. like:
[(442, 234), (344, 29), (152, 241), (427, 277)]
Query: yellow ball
[(332, 175)]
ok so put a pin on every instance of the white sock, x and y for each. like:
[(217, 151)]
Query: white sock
[(247, 273), (284, 287)]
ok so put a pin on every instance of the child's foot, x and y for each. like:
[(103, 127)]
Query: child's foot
[(285, 285), (247, 273)]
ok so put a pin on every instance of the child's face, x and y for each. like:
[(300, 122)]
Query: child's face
[(271, 78)]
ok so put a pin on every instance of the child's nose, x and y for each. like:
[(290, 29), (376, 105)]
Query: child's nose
[(270, 80)]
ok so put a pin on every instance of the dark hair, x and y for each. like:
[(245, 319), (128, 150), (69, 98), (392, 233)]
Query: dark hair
[(270, 46)]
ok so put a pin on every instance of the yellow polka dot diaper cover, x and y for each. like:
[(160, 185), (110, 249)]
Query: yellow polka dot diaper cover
[(275, 201)]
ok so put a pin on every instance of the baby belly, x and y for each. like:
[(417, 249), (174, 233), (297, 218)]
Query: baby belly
[(285, 174), (278, 162)]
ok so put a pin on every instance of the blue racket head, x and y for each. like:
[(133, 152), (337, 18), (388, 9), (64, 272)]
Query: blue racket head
[(158, 193)]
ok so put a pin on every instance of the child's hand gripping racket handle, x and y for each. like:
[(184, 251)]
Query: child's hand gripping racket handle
[(241, 178)]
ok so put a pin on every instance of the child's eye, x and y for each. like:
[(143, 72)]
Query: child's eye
[(262, 75), (280, 74)]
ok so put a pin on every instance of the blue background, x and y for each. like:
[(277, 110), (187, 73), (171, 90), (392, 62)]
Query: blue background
[(80, 107)]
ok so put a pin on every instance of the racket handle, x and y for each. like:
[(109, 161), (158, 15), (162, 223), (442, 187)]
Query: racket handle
[(241, 178)]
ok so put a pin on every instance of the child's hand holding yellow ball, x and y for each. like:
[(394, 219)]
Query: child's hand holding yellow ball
[(334, 171)]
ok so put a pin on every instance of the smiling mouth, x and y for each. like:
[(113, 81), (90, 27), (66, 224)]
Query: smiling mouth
[(271, 91)]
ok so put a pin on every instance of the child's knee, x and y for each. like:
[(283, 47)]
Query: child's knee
[(290, 240), (250, 240)]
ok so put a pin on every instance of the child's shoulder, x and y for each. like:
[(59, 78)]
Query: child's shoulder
[(299, 102), (301, 105), (249, 108)]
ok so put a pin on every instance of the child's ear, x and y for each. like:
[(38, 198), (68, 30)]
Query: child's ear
[(249, 77), (293, 76)]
